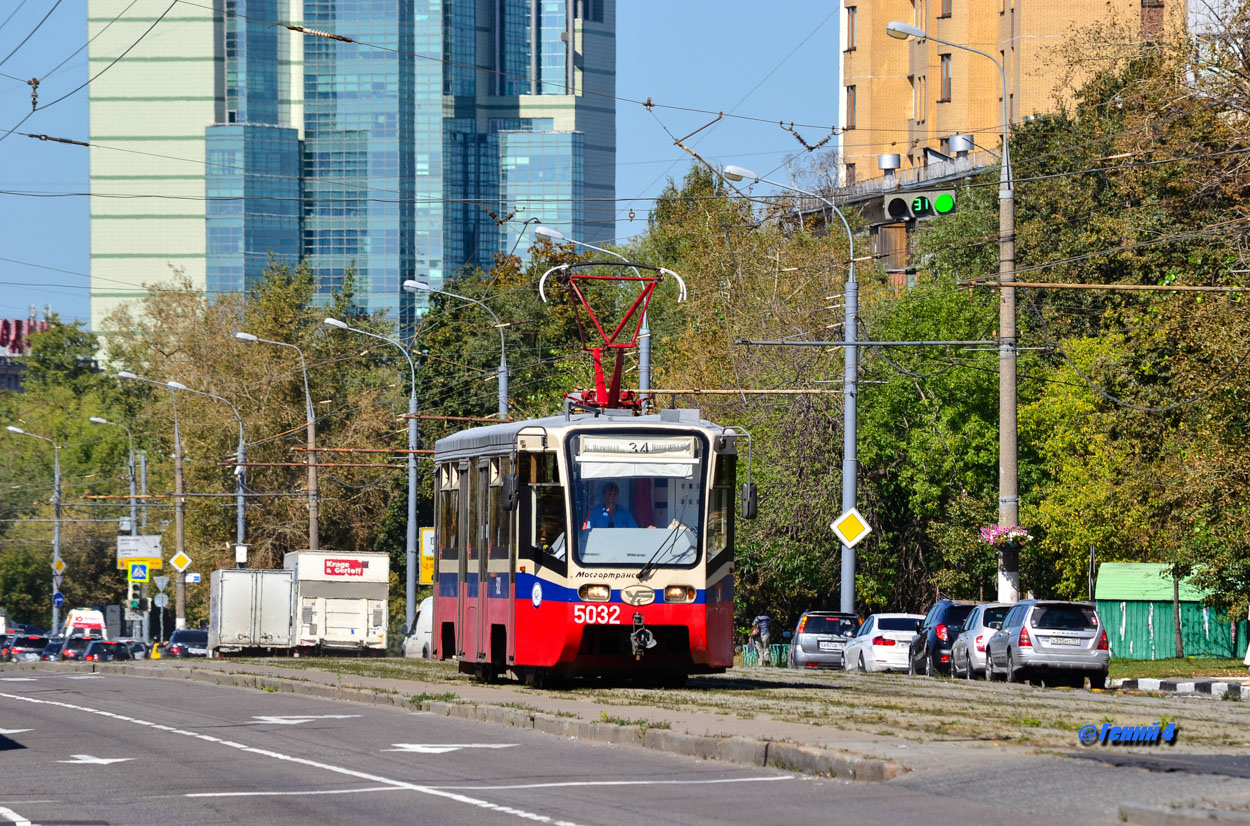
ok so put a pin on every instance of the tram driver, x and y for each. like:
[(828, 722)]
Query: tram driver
[(609, 515)]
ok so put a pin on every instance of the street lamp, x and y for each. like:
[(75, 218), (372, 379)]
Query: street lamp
[(502, 371), (314, 539), (410, 606), (180, 508), (240, 471), (850, 378), (1008, 469), (56, 516), (134, 509), (644, 331)]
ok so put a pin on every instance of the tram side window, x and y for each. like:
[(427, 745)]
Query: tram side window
[(546, 525), (724, 482), (498, 518), (449, 512), (475, 530)]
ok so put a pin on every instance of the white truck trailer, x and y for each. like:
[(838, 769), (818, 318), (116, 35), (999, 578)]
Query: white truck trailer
[(341, 600), (251, 611)]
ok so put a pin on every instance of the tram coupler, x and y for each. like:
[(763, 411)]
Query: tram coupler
[(640, 638)]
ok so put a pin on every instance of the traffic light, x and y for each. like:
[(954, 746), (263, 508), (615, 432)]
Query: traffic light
[(908, 206), (134, 592)]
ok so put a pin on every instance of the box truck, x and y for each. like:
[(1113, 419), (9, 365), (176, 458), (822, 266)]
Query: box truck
[(250, 611), (340, 600)]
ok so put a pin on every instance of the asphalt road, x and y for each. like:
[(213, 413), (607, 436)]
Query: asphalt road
[(111, 749)]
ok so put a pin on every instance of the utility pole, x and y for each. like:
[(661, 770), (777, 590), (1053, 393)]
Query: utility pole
[(180, 533)]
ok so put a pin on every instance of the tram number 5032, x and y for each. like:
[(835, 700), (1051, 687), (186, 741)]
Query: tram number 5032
[(597, 614)]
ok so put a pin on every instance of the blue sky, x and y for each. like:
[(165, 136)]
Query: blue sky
[(776, 61)]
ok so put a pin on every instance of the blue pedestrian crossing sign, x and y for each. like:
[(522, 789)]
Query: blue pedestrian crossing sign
[(138, 572), (58, 599)]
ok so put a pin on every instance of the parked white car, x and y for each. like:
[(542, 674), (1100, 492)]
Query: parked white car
[(417, 643), (968, 652), (882, 644)]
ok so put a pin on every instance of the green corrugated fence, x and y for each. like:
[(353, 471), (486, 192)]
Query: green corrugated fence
[(1140, 630)]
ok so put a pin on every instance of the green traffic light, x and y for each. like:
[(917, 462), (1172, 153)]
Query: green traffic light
[(944, 203)]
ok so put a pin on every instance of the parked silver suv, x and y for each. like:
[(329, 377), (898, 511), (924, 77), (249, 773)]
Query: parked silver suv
[(1058, 642)]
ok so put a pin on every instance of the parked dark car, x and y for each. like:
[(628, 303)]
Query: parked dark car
[(23, 648), (186, 643), (820, 637), (52, 651), (74, 648), (106, 651), (931, 648)]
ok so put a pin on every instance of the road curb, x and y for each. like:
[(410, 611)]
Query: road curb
[(1216, 688), (739, 750), (1166, 816)]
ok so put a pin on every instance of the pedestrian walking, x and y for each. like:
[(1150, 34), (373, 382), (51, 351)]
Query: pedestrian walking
[(761, 630)]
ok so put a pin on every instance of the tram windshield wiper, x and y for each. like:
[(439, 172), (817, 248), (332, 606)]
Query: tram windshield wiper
[(668, 542)]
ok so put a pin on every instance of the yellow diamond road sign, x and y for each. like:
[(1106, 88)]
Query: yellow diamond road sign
[(59, 566), (851, 527), (180, 561)]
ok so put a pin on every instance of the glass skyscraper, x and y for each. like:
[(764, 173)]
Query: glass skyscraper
[(425, 146)]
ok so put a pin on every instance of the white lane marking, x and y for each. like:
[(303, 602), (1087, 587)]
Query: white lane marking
[(443, 748), (95, 761), (298, 794), (564, 783), (84, 677), (6, 731), (296, 719), (17, 680), (13, 817), (208, 738)]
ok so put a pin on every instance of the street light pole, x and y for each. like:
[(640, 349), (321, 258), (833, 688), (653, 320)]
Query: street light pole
[(644, 330), (314, 532), (850, 379), (56, 515), (240, 469), (1008, 456), (502, 371), (410, 605), (180, 509)]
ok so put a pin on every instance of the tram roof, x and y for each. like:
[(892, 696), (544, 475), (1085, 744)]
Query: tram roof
[(503, 436)]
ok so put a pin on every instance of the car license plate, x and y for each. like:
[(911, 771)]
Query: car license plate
[(831, 646), (1064, 641), (198, 650)]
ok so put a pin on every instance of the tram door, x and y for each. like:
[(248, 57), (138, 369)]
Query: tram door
[(466, 590), (481, 543)]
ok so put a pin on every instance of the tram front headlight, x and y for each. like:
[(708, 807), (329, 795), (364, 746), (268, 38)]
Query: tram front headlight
[(595, 593), (679, 593)]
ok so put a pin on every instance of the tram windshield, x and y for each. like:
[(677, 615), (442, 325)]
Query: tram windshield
[(637, 498)]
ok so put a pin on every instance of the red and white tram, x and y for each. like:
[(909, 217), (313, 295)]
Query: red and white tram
[(587, 544)]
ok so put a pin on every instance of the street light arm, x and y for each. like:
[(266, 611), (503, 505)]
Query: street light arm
[(503, 359), (850, 238), (411, 367), (303, 363), (1005, 167)]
